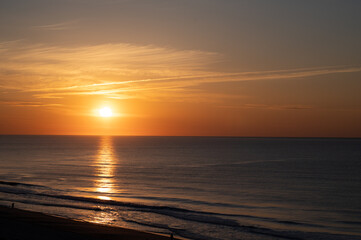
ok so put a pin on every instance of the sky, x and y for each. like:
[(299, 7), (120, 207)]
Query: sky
[(254, 68)]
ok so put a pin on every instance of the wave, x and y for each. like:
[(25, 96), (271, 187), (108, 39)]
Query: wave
[(279, 234), (350, 222), (204, 217), (21, 184), (180, 232), (177, 212), (198, 202), (49, 204)]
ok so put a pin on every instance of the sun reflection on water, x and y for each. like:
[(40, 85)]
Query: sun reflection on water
[(104, 183)]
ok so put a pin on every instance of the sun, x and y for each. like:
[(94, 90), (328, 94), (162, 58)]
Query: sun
[(105, 112)]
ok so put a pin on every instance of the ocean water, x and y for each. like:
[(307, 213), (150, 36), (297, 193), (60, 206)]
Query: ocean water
[(204, 188)]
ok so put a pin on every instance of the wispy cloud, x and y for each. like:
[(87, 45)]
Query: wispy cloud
[(29, 104), (159, 87), (122, 71), (57, 26), (50, 68), (273, 106)]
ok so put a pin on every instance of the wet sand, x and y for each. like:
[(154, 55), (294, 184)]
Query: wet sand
[(16, 224)]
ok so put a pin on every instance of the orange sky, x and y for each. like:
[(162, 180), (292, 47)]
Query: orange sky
[(206, 68)]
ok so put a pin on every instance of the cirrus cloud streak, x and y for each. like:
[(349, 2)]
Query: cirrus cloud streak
[(121, 71)]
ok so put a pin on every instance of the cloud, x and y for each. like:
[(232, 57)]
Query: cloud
[(277, 106), (51, 68), (57, 26), (121, 71), (29, 104)]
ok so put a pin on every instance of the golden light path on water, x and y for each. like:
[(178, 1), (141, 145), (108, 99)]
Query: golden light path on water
[(104, 182)]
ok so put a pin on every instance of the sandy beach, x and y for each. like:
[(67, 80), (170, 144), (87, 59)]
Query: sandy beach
[(21, 224)]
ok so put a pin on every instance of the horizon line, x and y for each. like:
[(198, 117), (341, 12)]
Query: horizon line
[(199, 136)]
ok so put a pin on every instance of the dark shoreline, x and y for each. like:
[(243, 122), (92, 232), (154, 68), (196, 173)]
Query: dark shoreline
[(21, 224)]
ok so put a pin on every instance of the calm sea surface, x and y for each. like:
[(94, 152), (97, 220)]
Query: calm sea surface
[(196, 187)]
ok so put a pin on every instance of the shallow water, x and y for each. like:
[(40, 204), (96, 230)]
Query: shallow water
[(196, 187)]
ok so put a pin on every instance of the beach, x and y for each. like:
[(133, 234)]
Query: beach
[(21, 224)]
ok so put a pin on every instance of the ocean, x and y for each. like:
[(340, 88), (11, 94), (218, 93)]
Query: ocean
[(205, 188)]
